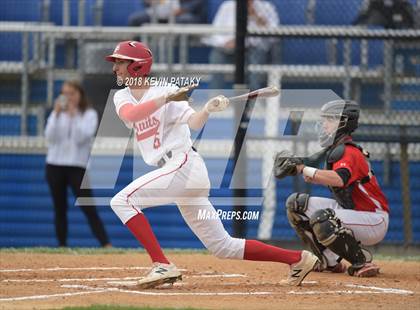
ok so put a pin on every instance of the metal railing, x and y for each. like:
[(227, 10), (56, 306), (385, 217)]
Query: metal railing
[(47, 36)]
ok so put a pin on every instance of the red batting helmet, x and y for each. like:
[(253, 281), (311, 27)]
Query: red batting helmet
[(138, 52)]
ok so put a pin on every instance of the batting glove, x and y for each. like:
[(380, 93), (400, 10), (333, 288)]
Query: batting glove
[(217, 104), (181, 94)]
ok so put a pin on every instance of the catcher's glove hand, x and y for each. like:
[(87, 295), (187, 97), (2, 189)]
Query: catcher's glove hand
[(181, 94), (217, 104), (285, 164)]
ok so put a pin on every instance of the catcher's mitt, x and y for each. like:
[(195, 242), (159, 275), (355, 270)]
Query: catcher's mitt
[(285, 164), (181, 94)]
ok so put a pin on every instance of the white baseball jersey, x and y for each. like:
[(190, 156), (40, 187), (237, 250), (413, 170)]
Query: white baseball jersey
[(183, 179), (165, 129)]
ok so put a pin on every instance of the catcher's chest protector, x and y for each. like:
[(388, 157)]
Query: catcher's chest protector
[(343, 195)]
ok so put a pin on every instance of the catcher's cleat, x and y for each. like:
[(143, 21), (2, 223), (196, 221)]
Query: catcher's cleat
[(367, 271), (302, 268), (160, 274), (339, 268)]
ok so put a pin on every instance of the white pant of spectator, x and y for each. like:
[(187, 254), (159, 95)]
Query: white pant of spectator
[(368, 227)]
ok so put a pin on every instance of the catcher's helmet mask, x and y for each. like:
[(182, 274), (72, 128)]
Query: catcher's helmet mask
[(346, 113)]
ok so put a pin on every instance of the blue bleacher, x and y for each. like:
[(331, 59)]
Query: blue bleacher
[(56, 12), (304, 52), (116, 12), (10, 125), (11, 47), (212, 7), (291, 12), (10, 91), (331, 12), (21, 10), (26, 190)]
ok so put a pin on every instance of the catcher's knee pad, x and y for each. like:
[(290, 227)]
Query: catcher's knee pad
[(331, 234), (296, 204)]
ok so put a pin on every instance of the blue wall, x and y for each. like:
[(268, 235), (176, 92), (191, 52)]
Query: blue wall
[(26, 217)]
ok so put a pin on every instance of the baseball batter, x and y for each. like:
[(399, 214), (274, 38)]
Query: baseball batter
[(162, 123), (358, 214)]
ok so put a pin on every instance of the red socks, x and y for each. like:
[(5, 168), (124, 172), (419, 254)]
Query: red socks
[(254, 250), (140, 228), (259, 251)]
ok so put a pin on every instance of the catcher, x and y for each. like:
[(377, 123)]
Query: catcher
[(357, 215)]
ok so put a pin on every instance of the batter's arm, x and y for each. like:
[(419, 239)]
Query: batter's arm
[(133, 113), (198, 119)]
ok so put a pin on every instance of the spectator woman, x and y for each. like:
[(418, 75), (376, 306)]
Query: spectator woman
[(69, 132)]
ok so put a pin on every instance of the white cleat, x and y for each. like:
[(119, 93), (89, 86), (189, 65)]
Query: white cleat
[(302, 268), (160, 274)]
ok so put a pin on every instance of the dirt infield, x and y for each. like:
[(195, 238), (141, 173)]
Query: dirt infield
[(45, 281)]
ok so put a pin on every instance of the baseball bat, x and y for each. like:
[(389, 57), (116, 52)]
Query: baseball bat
[(265, 92)]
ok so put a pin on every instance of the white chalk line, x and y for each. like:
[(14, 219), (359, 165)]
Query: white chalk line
[(349, 292), (368, 290), (183, 283), (382, 289), (173, 293), (92, 290), (76, 268), (233, 275), (52, 295), (197, 293), (261, 283), (69, 280)]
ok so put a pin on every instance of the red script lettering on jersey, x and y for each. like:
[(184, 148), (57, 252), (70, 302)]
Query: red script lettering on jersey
[(146, 128)]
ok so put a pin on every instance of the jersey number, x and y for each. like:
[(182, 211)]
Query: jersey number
[(156, 141)]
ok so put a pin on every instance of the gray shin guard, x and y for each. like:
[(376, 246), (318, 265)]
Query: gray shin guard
[(296, 205), (331, 234)]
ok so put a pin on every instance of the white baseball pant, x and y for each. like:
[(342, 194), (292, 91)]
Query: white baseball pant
[(368, 227), (182, 180)]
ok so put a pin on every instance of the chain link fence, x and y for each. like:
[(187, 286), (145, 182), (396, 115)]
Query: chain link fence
[(380, 72), (292, 44)]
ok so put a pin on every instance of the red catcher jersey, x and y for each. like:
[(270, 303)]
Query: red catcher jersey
[(368, 196)]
